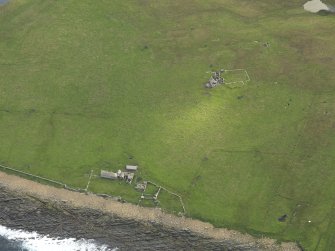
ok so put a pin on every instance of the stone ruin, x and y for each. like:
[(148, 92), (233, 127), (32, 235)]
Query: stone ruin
[(216, 79)]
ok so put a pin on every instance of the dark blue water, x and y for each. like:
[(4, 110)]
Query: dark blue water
[(6, 245)]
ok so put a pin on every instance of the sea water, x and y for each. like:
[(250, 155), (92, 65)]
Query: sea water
[(10, 245), (18, 240)]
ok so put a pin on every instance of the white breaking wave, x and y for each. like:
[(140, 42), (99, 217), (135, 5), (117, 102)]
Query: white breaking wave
[(36, 242)]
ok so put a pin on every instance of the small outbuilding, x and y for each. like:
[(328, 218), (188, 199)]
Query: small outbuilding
[(131, 168), (108, 175), (141, 186), (129, 177), (120, 174)]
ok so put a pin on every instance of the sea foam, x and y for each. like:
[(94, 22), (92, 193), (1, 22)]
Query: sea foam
[(33, 241)]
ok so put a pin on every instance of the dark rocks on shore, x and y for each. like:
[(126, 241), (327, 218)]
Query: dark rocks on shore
[(57, 219)]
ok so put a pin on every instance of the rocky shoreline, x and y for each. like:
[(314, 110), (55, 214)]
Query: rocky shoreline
[(57, 219), (49, 211)]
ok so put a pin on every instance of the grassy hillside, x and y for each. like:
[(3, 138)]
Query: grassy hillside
[(98, 84)]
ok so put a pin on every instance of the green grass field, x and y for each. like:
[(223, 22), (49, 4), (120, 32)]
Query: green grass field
[(100, 84)]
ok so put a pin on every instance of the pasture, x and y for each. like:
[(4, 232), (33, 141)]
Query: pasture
[(91, 85)]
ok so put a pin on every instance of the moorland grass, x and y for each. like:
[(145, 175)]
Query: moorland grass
[(97, 85)]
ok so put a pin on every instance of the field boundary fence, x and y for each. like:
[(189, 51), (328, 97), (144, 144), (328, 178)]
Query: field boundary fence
[(61, 184), (168, 191), (80, 190), (244, 82)]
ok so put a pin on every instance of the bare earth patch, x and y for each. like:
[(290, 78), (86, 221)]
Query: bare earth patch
[(134, 212)]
